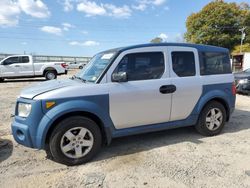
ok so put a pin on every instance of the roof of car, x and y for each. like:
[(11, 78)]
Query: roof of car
[(199, 47)]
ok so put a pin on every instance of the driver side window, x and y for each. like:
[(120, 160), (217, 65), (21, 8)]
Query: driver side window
[(142, 66), (11, 60)]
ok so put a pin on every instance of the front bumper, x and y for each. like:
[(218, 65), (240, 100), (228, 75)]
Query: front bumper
[(26, 130), (21, 134)]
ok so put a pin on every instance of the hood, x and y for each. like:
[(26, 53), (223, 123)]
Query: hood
[(241, 75), (37, 89)]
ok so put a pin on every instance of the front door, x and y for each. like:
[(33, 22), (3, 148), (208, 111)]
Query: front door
[(9, 67), (143, 99)]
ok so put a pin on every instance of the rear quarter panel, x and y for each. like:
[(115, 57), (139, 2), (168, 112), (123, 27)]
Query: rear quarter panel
[(216, 86), (40, 67)]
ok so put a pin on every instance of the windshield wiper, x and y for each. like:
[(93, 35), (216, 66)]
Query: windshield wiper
[(79, 78)]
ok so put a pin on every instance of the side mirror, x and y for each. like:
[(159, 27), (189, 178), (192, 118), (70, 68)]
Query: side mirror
[(119, 77)]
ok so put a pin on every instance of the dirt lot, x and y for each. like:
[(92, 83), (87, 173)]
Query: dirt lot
[(174, 158)]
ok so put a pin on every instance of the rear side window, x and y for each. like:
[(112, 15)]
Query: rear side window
[(183, 63), (142, 66), (214, 63), (24, 59)]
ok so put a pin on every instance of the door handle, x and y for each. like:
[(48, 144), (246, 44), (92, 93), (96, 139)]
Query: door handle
[(17, 66), (165, 89)]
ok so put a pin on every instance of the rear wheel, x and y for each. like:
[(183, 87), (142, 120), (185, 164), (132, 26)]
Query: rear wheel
[(50, 75), (75, 140), (212, 119), (81, 67), (1, 79)]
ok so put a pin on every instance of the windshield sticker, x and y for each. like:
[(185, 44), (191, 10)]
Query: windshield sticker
[(107, 56)]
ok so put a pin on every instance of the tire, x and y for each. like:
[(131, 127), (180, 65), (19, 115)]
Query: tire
[(1, 79), (80, 67), (209, 124), (61, 137), (50, 75)]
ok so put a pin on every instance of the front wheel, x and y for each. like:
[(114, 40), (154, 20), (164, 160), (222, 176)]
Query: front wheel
[(75, 140), (212, 119), (50, 75), (1, 79)]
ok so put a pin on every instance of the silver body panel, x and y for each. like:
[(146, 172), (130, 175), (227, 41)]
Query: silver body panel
[(137, 103)]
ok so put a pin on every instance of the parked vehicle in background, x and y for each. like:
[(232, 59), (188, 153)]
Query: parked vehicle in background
[(23, 66), (127, 91), (76, 65), (241, 62), (242, 81), (82, 65)]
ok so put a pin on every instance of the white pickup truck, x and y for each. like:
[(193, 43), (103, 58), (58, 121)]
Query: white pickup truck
[(23, 66)]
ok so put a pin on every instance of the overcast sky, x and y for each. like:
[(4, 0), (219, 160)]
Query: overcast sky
[(85, 27)]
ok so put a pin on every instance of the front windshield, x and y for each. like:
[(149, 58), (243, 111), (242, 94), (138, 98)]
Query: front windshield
[(95, 67)]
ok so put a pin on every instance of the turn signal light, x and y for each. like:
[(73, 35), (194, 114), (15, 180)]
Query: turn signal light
[(50, 104)]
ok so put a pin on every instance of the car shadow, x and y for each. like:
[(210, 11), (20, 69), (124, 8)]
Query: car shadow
[(239, 121), (144, 142), (247, 93), (6, 149)]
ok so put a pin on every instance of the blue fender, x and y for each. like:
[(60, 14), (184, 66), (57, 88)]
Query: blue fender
[(210, 92), (99, 109)]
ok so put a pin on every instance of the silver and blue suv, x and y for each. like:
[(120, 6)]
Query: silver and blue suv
[(127, 91)]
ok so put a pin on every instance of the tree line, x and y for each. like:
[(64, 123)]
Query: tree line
[(219, 24)]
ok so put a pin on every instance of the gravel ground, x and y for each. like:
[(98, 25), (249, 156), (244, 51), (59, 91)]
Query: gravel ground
[(173, 158)]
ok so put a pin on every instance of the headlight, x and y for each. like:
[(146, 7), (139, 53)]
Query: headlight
[(243, 81), (24, 109)]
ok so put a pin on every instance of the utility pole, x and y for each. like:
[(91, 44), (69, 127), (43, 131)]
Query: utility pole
[(243, 36)]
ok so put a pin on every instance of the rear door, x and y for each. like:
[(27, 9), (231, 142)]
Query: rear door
[(25, 66), (185, 75)]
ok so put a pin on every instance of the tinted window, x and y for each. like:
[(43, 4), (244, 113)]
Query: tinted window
[(183, 63), (142, 66), (11, 60), (24, 59), (215, 63)]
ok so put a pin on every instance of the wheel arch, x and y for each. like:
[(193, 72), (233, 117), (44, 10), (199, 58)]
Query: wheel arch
[(49, 69), (220, 100), (89, 115)]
